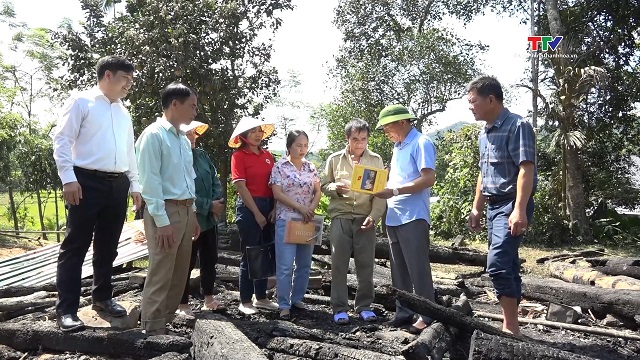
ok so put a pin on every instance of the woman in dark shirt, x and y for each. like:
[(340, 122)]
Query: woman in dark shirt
[(209, 207), (250, 170)]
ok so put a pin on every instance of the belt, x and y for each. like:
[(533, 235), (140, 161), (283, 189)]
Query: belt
[(101, 174), (495, 199), (185, 202)]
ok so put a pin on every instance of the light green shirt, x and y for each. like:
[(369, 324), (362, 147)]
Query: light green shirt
[(165, 166)]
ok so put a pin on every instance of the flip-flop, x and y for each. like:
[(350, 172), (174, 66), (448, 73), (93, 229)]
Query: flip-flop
[(218, 309), (341, 318), (368, 316)]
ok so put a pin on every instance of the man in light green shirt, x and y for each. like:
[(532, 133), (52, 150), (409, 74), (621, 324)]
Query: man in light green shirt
[(353, 219), (165, 164)]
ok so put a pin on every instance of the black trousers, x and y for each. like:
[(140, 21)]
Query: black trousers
[(99, 216), (206, 245)]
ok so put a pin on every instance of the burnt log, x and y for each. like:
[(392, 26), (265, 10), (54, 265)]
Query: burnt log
[(599, 301), (31, 336), (592, 277), (216, 338), (321, 351), (259, 332), (436, 340), (448, 316), (8, 353), (172, 356), (564, 256), (229, 258), (489, 347), (440, 254), (605, 261), (620, 269), (24, 290), (38, 299), (563, 326)]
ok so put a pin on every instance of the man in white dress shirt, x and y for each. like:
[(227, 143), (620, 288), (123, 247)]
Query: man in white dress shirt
[(93, 147)]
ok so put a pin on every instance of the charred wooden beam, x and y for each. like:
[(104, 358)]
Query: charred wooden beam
[(8, 353), (39, 299), (606, 261), (448, 316), (322, 351), (45, 335), (216, 338), (260, 332), (599, 301), (436, 340), (558, 325), (490, 347), (583, 253)]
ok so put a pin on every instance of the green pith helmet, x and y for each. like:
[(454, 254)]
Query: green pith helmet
[(393, 113)]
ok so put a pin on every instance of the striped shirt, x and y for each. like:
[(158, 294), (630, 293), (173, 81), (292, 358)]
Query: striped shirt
[(503, 147)]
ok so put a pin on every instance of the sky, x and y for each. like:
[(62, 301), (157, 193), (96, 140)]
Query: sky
[(307, 43)]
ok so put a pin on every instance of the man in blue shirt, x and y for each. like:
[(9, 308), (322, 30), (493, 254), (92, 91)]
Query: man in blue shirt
[(411, 175), (506, 182)]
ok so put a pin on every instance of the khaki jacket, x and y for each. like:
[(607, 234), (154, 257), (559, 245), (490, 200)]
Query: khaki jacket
[(353, 204)]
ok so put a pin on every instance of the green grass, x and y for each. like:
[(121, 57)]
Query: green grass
[(28, 211)]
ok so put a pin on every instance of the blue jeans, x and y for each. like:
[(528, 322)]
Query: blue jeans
[(503, 263), (286, 254), (251, 235)]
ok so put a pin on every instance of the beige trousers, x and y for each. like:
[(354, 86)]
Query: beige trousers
[(168, 269)]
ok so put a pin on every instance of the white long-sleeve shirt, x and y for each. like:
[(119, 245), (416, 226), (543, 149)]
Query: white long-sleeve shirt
[(95, 134)]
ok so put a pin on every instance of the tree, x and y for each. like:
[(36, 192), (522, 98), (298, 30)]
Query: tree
[(396, 52), (456, 176), (215, 47)]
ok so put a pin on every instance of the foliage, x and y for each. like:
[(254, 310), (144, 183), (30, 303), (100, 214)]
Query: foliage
[(456, 177), (404, 56), (216, 47)]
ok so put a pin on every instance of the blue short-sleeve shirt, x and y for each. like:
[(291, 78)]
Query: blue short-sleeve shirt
[(409, 157), (503, 147)]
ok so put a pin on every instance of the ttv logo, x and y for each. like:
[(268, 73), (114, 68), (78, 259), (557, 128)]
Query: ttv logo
[(546, 41)]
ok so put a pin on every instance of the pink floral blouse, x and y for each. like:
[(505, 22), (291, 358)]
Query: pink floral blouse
[(297, 184)]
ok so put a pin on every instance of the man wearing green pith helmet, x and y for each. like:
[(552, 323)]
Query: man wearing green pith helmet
[(411, 175)]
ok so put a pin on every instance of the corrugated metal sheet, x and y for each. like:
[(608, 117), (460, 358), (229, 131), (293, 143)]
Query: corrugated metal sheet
[(38, 267)]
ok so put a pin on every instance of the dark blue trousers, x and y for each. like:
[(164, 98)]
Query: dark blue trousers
[(503, 263), (250, 235)]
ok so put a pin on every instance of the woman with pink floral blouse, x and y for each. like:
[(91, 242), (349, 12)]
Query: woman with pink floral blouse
[(296, 188)]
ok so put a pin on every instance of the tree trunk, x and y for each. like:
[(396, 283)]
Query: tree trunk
[(41, 214), (575, 188), (488, 347), (14, 211), (575, 197), (601, 261)]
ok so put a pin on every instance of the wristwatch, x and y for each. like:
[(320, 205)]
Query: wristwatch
[(396, 192)]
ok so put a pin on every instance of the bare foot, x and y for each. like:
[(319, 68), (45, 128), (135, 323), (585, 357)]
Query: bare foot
[(514, 332)]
